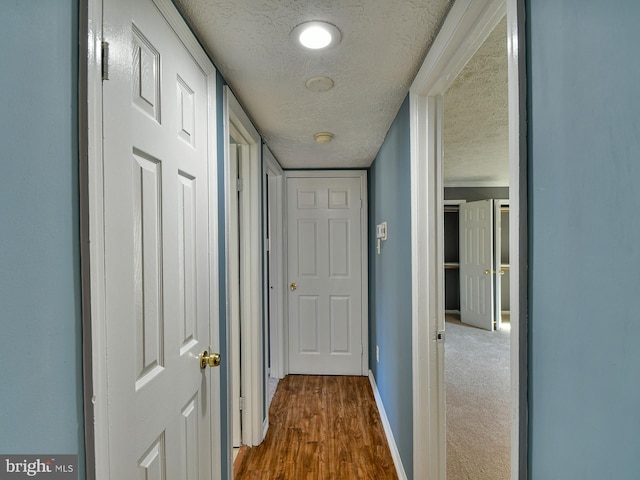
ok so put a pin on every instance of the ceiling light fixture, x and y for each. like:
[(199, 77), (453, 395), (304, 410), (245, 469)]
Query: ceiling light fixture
[(316, 35)]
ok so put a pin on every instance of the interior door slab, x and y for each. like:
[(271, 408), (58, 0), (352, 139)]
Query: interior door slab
[(156, 249), (325, 275), (477, 269)]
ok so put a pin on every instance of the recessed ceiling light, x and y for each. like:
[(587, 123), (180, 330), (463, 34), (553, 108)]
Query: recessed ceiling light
[(316, 35)]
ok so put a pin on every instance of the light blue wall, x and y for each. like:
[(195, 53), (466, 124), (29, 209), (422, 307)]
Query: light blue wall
[(584, 265), (390, 282), (41, 408)]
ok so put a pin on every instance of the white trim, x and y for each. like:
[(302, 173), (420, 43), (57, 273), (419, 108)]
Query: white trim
[(518, 246), (277, 347), (364, 219), (467, 25), (252, 320), (96, 246), (429, 461), (99, 395), (395, 453)]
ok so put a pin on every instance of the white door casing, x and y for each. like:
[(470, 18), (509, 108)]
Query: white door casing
[(239, 127), (152, 194), (326, 252), (477, 267), (273, 200)]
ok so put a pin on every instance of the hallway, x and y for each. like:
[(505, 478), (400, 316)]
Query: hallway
[(321, 427)]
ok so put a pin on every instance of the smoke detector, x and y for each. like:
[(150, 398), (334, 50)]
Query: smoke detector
[(319, 84), (323, 137)]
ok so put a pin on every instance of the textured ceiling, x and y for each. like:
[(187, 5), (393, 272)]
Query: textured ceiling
[(476, 135), (383, 45)]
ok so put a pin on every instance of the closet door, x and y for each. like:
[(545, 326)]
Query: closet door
[(477, 280)]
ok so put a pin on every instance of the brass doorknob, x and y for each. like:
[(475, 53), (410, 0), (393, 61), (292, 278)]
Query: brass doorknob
[(293, 286), (212, 360), (487, 272)]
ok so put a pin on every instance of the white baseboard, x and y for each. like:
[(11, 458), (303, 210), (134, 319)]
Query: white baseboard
[(395, 454), (265, 427)]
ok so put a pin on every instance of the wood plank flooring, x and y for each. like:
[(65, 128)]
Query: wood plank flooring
[(320, 428)]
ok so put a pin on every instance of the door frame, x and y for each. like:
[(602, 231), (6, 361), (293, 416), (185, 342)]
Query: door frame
[(251, 299), (362, 174), (92, 255), (468, 23), (273, 170)]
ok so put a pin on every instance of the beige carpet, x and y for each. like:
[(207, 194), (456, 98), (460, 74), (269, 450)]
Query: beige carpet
[(478, 402)]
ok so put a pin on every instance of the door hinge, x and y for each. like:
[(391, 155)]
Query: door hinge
[(239, 185), (440, 336), (105, 60), (241, 402)]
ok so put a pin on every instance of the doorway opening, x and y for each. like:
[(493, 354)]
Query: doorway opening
[(275, 351), (243, 265), (464, 30), (476, 269)]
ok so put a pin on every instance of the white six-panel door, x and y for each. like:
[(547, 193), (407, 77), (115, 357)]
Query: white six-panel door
[(156, 228), (476, 264), (325, 280)]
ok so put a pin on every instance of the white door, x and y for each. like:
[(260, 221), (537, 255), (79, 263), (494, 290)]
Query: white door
[(325, 275), (157, 265), (476, 264)]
